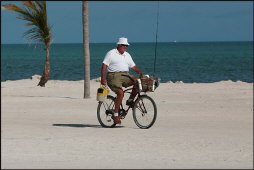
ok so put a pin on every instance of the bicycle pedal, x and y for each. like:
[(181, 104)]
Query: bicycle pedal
[(122, 117)]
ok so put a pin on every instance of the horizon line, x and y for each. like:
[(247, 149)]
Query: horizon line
[(131, 42)]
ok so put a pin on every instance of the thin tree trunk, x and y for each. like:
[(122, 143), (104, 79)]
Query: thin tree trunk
[(46, 71), (86, 49)]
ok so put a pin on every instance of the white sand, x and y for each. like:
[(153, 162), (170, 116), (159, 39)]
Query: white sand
[(198, 126)]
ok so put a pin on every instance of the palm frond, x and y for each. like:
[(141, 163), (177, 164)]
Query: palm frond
[(36, 14), (40, 4), (26, 17), (33, 31), (29, 24), (13, 7), (29, 4), (24, 14)]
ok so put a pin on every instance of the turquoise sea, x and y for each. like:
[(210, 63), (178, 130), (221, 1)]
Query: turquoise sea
[(188, 62)]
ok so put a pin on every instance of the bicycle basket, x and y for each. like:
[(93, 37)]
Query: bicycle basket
[(148, 84)]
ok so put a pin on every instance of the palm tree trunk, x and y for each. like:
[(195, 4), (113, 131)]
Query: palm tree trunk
[(86, 49), (46, 71)]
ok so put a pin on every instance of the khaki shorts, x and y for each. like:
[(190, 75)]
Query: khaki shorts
[(116, 80)]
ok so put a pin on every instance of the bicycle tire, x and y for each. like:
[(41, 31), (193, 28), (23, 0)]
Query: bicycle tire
[(104, 118), (149, 110)]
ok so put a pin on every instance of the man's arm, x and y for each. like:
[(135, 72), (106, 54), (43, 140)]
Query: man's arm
[(137, 70), (103, 71)]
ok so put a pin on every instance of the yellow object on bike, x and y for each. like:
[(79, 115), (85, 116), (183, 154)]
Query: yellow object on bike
[(102, 93)]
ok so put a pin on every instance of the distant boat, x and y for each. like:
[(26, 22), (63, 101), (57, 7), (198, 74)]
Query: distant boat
[(174, 41)]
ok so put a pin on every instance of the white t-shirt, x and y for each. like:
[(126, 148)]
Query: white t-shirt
[(117, 62)]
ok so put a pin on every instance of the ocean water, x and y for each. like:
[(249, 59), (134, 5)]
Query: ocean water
[(188, 62)]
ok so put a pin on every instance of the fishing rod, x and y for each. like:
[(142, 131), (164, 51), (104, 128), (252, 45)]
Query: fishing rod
[(156, 39)]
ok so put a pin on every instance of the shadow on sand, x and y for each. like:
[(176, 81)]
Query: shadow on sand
[(44, 96), (82, 125)]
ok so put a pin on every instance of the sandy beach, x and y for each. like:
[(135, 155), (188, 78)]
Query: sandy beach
[(199, 126)]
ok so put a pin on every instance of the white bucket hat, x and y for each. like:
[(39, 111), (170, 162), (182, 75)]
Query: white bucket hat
[(123, 40)]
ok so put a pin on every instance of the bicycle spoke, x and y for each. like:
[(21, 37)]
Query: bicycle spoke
[(141, 106), (104, 105), (112, 103)]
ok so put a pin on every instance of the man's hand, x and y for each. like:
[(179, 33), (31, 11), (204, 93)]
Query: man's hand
[(141, 75), (103, 82)]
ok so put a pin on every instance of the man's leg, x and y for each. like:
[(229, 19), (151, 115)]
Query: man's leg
[(134, 89), (119, 99), (133, 92), (118, 102)]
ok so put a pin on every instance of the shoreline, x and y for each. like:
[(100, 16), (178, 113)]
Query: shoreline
[(37, 77)]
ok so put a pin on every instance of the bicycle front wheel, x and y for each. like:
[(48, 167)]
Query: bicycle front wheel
[(105, 111), (144, 112)]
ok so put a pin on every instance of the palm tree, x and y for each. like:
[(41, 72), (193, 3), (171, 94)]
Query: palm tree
[(86, 49), (35, 12)]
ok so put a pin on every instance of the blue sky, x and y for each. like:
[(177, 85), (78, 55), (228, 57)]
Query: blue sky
[(182, 21)]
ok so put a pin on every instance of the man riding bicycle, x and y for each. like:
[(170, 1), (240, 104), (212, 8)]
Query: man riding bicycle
[(117, 63)]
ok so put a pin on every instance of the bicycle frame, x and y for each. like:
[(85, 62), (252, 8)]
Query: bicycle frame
[(127, 91), (137, 96)]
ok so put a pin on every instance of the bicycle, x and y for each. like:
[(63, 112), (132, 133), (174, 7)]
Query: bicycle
[(144, 110)]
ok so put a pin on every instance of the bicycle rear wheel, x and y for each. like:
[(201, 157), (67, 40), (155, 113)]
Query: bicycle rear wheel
[(144, 112), (105, 111)]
